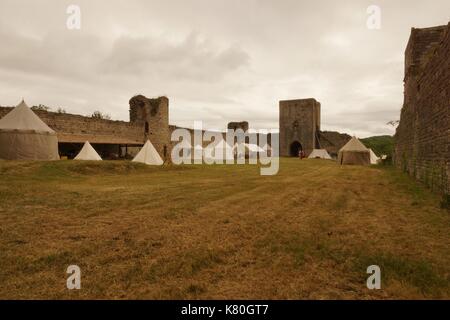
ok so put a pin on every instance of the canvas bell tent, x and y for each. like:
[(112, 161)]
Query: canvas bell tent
[(221, 151), (24, 136), (319, 154), (373, 157), (148, 155), (354, 152), (88, 153)]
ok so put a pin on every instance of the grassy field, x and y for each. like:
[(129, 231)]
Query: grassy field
[(178, 232)]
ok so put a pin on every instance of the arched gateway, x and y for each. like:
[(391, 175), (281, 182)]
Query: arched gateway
[(295, 148)]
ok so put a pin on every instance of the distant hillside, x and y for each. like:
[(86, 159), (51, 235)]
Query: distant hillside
[(380, 144)]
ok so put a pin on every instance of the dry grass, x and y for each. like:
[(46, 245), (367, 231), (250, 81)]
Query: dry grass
[(219, 232)]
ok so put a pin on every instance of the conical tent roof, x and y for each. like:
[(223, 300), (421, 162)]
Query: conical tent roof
[(148, 155), (319, 153), (23, 118), (23, 136), (354, 145), (88, 153)]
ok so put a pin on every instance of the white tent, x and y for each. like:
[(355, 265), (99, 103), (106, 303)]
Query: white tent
[(250, 147), (319, 153), (88, 153), (373, 157), (267, 148), (222, 150), (148, 155), (24, 136), (247, 149), (354, 152)]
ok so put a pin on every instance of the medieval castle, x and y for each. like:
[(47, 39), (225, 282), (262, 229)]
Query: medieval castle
[(422, 138), (149, 119)]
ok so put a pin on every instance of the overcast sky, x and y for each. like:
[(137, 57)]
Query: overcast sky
[(216, 60)]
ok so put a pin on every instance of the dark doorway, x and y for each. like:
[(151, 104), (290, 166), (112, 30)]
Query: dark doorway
[(69, 150), (295, 148)]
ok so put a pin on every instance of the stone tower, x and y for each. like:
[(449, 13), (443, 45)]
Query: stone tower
[(153, 114), (299, 126), (239, 125)]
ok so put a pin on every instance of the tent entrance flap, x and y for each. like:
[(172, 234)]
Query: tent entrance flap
[(359, 158)]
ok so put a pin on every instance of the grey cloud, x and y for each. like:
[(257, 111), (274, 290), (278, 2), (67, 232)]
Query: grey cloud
[(217, 60), (191, 59), (72, 54), (56, 55)]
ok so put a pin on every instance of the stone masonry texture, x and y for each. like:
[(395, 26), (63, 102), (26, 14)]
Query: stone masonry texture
[(299, 124), (422, 139)]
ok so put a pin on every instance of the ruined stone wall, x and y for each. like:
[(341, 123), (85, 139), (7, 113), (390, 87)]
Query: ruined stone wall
[(238, 125), (4, 111), (333, 141), (422, 139), (299, 121), (172, 128), (76, 125)]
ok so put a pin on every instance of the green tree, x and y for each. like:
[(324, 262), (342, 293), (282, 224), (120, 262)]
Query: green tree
[(380, 144)]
